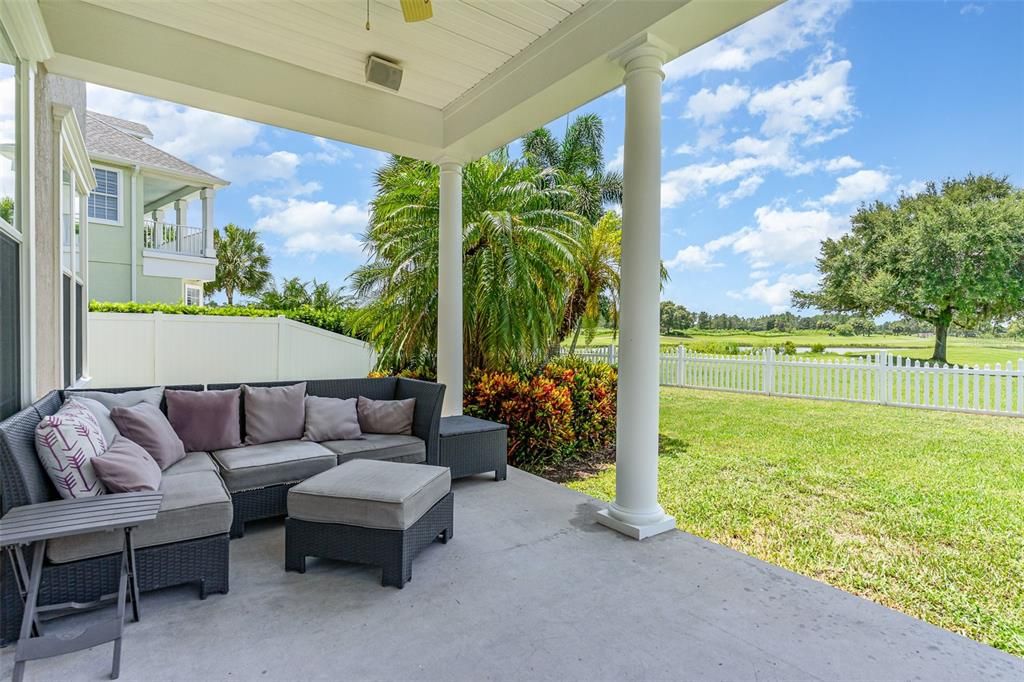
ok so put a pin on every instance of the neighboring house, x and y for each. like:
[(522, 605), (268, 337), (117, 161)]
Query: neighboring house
[(141, 247)]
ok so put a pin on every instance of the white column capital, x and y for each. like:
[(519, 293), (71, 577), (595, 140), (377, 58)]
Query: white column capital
[(207, 192), (645, 52), (448, 164)]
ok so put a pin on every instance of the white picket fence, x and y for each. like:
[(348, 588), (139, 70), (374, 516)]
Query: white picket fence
[(881, 378)]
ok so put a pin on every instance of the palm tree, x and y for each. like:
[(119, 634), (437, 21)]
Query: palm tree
[(517, 246), (242, 263), (594, 292), (576, 164), (295, 293)]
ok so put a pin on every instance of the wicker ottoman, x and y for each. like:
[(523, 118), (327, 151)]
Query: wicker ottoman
[(369, 512), (473, 446)]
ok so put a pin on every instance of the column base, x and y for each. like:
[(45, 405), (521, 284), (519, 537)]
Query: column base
[(636, 531)]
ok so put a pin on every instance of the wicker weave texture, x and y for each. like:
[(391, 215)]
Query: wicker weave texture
[(259, 503), (392, 550), (466, 454), (203, 561)]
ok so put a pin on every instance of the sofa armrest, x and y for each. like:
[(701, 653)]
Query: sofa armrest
[(426, 421)]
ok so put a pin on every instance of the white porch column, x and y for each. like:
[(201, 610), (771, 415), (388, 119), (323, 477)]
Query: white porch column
[(180, 218), (206, 196), (180, 211), (635, 511), (449, 288), (157, 216)]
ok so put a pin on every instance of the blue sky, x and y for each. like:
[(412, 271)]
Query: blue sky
[(772, 135)]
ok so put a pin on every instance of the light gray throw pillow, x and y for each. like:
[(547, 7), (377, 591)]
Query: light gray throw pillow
[(331, 419), (127, 468), (147, 426), (102, 414), (386, 416), (274, 413), (153, 396)]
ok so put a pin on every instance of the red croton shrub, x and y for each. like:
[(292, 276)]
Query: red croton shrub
[(565, 410)]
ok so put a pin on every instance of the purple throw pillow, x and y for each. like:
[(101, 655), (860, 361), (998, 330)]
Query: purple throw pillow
[(205, 420), (147, 426), (274, 413), (126, 468)]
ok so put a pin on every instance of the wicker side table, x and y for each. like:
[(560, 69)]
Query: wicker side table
[(473, 446)]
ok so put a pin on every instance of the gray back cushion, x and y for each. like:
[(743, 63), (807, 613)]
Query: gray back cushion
[(331, 419), (274, 413), (153, 396), (386, 416)]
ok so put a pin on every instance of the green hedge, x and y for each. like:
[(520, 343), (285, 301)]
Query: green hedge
[(333, 321)]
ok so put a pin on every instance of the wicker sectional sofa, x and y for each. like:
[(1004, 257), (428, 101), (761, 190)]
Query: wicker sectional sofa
[(208, 497)]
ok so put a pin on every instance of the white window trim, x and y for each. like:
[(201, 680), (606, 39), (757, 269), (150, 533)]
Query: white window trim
[(188, 285), (120, 197), (69, 150)]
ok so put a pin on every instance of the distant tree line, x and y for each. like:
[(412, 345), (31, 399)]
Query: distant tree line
[(677, 319)]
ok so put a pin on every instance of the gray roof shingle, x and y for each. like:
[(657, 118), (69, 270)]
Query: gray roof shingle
[(106, 136)]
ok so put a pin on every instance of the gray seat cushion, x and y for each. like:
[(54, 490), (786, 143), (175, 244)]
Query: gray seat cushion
[(195, 505), (392, 448), (370, 494), (194, 461), (259, 466)]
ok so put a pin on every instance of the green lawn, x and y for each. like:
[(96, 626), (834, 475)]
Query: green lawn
[(921, 511), (968, 351)]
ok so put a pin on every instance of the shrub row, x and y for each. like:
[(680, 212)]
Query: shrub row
[(331, 320), (563, 411)]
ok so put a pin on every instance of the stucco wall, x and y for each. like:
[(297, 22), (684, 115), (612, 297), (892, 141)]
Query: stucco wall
[(50, 90)]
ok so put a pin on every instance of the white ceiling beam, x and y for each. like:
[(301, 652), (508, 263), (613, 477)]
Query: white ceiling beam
[(571, 66)]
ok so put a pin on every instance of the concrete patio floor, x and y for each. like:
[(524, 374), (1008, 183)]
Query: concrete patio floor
[(529, 588)]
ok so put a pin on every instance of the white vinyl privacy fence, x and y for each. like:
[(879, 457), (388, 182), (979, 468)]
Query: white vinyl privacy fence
[(881, 378), (135, 349)]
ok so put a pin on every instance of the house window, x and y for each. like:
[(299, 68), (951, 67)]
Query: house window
[(12, 250), (193, 294), (105, 200)]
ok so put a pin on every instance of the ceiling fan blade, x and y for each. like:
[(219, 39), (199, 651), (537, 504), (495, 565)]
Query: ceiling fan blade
[(416, 10)]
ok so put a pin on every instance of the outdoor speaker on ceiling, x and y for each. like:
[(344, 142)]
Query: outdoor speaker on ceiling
[(383, 73)]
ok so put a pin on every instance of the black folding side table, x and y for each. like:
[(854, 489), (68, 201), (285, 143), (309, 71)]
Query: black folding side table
[(33, 525)]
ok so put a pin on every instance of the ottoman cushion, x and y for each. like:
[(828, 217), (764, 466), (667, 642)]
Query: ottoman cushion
[(370, 494)]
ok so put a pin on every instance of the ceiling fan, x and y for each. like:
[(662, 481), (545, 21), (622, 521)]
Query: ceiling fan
[(412, 10)]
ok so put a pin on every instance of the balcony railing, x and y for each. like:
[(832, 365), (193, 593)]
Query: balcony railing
[(182, 239)]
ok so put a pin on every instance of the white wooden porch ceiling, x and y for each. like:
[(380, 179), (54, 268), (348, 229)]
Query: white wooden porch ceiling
[(443, 57)]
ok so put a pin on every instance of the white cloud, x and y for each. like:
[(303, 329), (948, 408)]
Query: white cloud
[(696, 257), (785, 29), (331, 152), (859, 186), (842, 163), (192, 134), (709, 106), (753, 155), (616, 163), (810, 105), (745, 188), (670, 96), (311, 226), (685, 149), (785, 236), (972, 8), (242, 169), (777, 294), (693, 258), (912, 187)]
